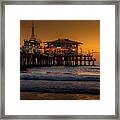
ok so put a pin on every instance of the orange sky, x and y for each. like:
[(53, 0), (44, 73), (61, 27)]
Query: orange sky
[(85, 31)]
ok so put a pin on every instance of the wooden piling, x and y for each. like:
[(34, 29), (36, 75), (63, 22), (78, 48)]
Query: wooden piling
[(31, 59)]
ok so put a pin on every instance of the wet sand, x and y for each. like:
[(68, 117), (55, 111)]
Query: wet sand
[(59, 90), (57, 96)]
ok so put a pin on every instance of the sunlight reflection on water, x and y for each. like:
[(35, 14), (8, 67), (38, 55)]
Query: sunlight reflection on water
[(57, 70)]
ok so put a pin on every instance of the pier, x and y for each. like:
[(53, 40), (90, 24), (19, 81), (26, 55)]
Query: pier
[(32, 60), (60, 52)]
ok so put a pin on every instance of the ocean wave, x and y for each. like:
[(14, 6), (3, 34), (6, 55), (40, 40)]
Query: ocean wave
[(26, 76)]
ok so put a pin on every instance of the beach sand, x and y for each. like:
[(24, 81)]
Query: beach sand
[(57, 96)]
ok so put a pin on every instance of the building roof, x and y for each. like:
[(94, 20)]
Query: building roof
[(65, 41)]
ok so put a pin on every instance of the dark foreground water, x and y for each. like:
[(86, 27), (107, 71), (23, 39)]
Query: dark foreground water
[(60, 83)]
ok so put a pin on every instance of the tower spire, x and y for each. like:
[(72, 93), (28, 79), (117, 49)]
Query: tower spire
[(32, 29)]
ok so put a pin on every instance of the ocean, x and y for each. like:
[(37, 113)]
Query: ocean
[(44, 82), (62, 73)]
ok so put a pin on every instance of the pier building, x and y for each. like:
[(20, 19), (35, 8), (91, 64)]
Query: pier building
[(32, 45), (62, 47)]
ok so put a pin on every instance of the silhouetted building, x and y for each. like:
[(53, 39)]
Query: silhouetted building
[(62, 47), (33, 44)]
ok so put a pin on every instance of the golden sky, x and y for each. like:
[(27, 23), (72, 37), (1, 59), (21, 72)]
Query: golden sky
[(85, 31)]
